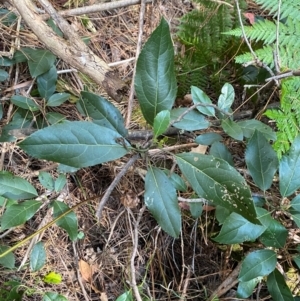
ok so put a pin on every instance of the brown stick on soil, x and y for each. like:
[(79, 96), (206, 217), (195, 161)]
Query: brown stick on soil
[(71, 49)]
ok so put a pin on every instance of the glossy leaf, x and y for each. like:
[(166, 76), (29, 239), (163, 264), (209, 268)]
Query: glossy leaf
[(232, 129), (3, 75), (296, 218), (278, 288), (77, 144), (39, 60), (54, 117), (261, 160), (215, 180), (296, 259), (24, 103), (236, 229), (289, 170), (161, 122), (226, 98), (53, 278), (219, 150), (275, 235), (196, 209), (295, 203), (37, 257), (192, 121), (8, 261), (199, 97), (208, 138), (250, 126), (257, 264), (245, 289), (46, 180), (67, 222), (57, 99), (18, 214), (51, 296), (15, 188), (46, 83), (102, 112), (60, 183), (155, 80), (161, 200)]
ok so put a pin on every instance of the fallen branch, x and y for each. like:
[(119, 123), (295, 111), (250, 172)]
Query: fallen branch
[(70, 49)]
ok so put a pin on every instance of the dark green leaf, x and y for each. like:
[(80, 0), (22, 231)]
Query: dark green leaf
[(178, 182), (196, 209), (192, 121), (275, 235), (245, 289), (199, 97), (155, 80), (18, 214), (50, 296), (237, 229), (161, 122), (232, 129), (57, 99), (15, 188), (3, 75), (296, 258), (53, 117), (261, 160), (249, 127), (226, 98), (6, 62), (8, 261), (24, 103), (46, 83), (60, 182), (278, 288), (102, 112), (8, 17), (46, 180), (208, 138), (256, 264), (39, 60), (289, 170), (37, 257), (1, 111), (161, 200), (295, 203), (215, 180), (67, 222), (77, 144), (219, 150), (296, 218), (222, 214)]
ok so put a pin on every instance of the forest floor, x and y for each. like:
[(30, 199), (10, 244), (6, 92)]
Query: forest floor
[(191, 267)]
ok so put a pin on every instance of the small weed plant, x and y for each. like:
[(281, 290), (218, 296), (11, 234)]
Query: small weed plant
[(212, 177)]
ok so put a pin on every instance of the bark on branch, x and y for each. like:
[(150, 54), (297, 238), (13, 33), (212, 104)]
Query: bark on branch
[(71, 48)]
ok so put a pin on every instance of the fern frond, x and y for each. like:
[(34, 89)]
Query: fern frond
[(288, 8)]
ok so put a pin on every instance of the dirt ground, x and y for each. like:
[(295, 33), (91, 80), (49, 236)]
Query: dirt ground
[(188, 268)]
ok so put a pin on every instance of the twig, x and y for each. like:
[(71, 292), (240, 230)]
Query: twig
[(97, 8), (138, 50), (114, 184), (156, 151), (277, 54), (198, 200), (86, 297), (134, 251)]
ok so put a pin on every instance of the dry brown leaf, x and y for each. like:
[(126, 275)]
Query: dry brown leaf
[(103, 297), (200, 149), (85, 270), (130, 199)]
